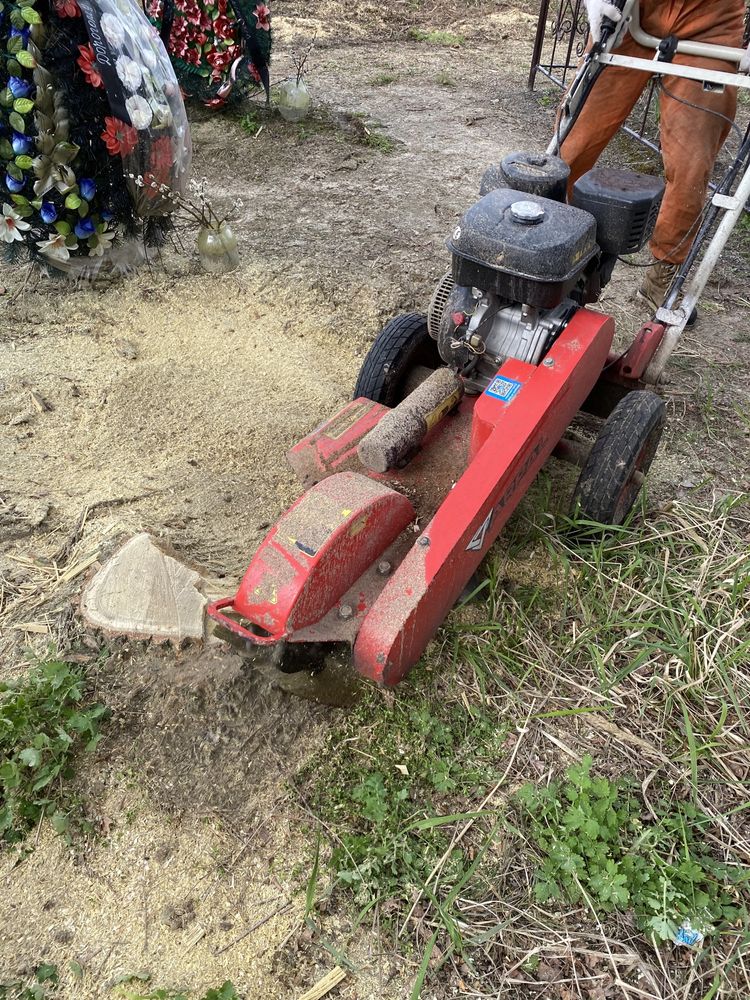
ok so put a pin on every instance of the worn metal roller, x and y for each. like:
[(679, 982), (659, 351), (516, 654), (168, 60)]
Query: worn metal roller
[(402, 430)]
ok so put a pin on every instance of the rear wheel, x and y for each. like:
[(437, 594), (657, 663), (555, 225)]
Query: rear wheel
[(614, 471), (402, 347)]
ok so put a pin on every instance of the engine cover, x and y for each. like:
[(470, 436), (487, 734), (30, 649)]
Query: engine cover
[(522, 247)]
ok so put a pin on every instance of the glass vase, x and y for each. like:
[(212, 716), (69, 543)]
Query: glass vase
[(217, 249)]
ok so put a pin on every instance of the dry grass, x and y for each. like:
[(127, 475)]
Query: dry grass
[(633, 648)]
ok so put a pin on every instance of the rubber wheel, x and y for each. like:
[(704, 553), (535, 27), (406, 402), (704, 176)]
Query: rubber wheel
[(612, 477), (403, 344)]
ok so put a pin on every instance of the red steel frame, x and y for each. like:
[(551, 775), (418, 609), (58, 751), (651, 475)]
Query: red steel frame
[(324, 572)]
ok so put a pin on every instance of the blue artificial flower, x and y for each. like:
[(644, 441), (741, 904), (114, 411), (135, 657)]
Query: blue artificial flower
[(13, 185), (107, 216), (19, 87), (84, 229), (23, 32), (48, 212), (87, 188), (21, 143)]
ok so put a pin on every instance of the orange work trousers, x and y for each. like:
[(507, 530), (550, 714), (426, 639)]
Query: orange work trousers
[(690, 138)]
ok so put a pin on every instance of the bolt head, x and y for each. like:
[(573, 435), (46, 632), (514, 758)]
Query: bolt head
[(424, 540), (548, 363), (384, 567), (346, 611)]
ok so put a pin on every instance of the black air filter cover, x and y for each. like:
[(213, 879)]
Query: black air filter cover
[(625, 205), (534, 261)]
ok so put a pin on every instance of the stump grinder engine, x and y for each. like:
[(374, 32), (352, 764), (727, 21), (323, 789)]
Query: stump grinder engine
[(524, 261), (454, 413)]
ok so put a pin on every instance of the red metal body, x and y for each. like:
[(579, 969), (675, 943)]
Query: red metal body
[(356, 542)]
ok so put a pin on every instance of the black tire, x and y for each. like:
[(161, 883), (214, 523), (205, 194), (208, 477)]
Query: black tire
[(612, 477), (403, 344)]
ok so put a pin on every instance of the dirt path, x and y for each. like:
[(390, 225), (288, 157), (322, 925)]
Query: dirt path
[(176, 395)]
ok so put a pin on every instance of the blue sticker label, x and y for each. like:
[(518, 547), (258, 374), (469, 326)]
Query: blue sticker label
[(503, 388)]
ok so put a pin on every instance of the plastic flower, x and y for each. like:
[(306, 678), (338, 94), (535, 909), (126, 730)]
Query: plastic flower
[(129, 73), (149, 56), (13, 185), (103, 243), (48, 212), (87, 62), (18, 87), (119, 137), (263, 13), (84, 228), (87, 188), (139, 111), (113, 30), (12, 225), (20, 143), (66, 8), (55, 247)]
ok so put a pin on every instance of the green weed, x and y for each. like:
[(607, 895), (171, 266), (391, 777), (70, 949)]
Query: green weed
[(445, 79), (45, 978), (598, 848), (392, 796), (44, 721), (224, 992), (436, 37), (383, 79), (250, 124)]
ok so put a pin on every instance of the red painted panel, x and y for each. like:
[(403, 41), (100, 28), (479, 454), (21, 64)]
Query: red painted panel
[(514, 437), (314, 554)]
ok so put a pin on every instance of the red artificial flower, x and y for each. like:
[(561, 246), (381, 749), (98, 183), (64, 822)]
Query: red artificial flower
[(119, 137), (161, 157), (192, 13), (66, 8), (223, 27), (87, 62), (219, 60), (263, 13), (215, 102), (254, 72)]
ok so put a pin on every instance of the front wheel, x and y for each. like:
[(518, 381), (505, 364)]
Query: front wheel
[(614, 471), (400, 350)]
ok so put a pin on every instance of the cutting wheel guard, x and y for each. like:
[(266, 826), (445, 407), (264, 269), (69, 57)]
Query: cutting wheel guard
[(311, 557)]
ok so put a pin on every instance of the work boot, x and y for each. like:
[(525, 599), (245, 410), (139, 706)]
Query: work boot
[(655, 285)]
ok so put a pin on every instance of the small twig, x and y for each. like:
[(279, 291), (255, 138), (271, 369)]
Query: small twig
[(255, 926)]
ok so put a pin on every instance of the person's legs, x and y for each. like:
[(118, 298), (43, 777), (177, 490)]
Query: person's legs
[(608, 105), (691, 137)]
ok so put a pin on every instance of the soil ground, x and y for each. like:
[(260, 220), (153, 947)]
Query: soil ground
[(166, 402)]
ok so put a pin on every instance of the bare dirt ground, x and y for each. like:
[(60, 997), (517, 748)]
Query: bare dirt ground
[(166, 402)]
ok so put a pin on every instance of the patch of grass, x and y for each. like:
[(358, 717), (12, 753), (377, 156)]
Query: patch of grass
[(44, 721), (383, 79), (436, 37), (352, 126), (445, 79), (394, 787), (45, 978), (598, 849), (630, 646), (378, 141), (250, 124), (224, 992)]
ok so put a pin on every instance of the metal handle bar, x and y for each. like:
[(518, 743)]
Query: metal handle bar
[(725, 53)]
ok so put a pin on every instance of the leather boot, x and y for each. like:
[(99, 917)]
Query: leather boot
[(659, 276)]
